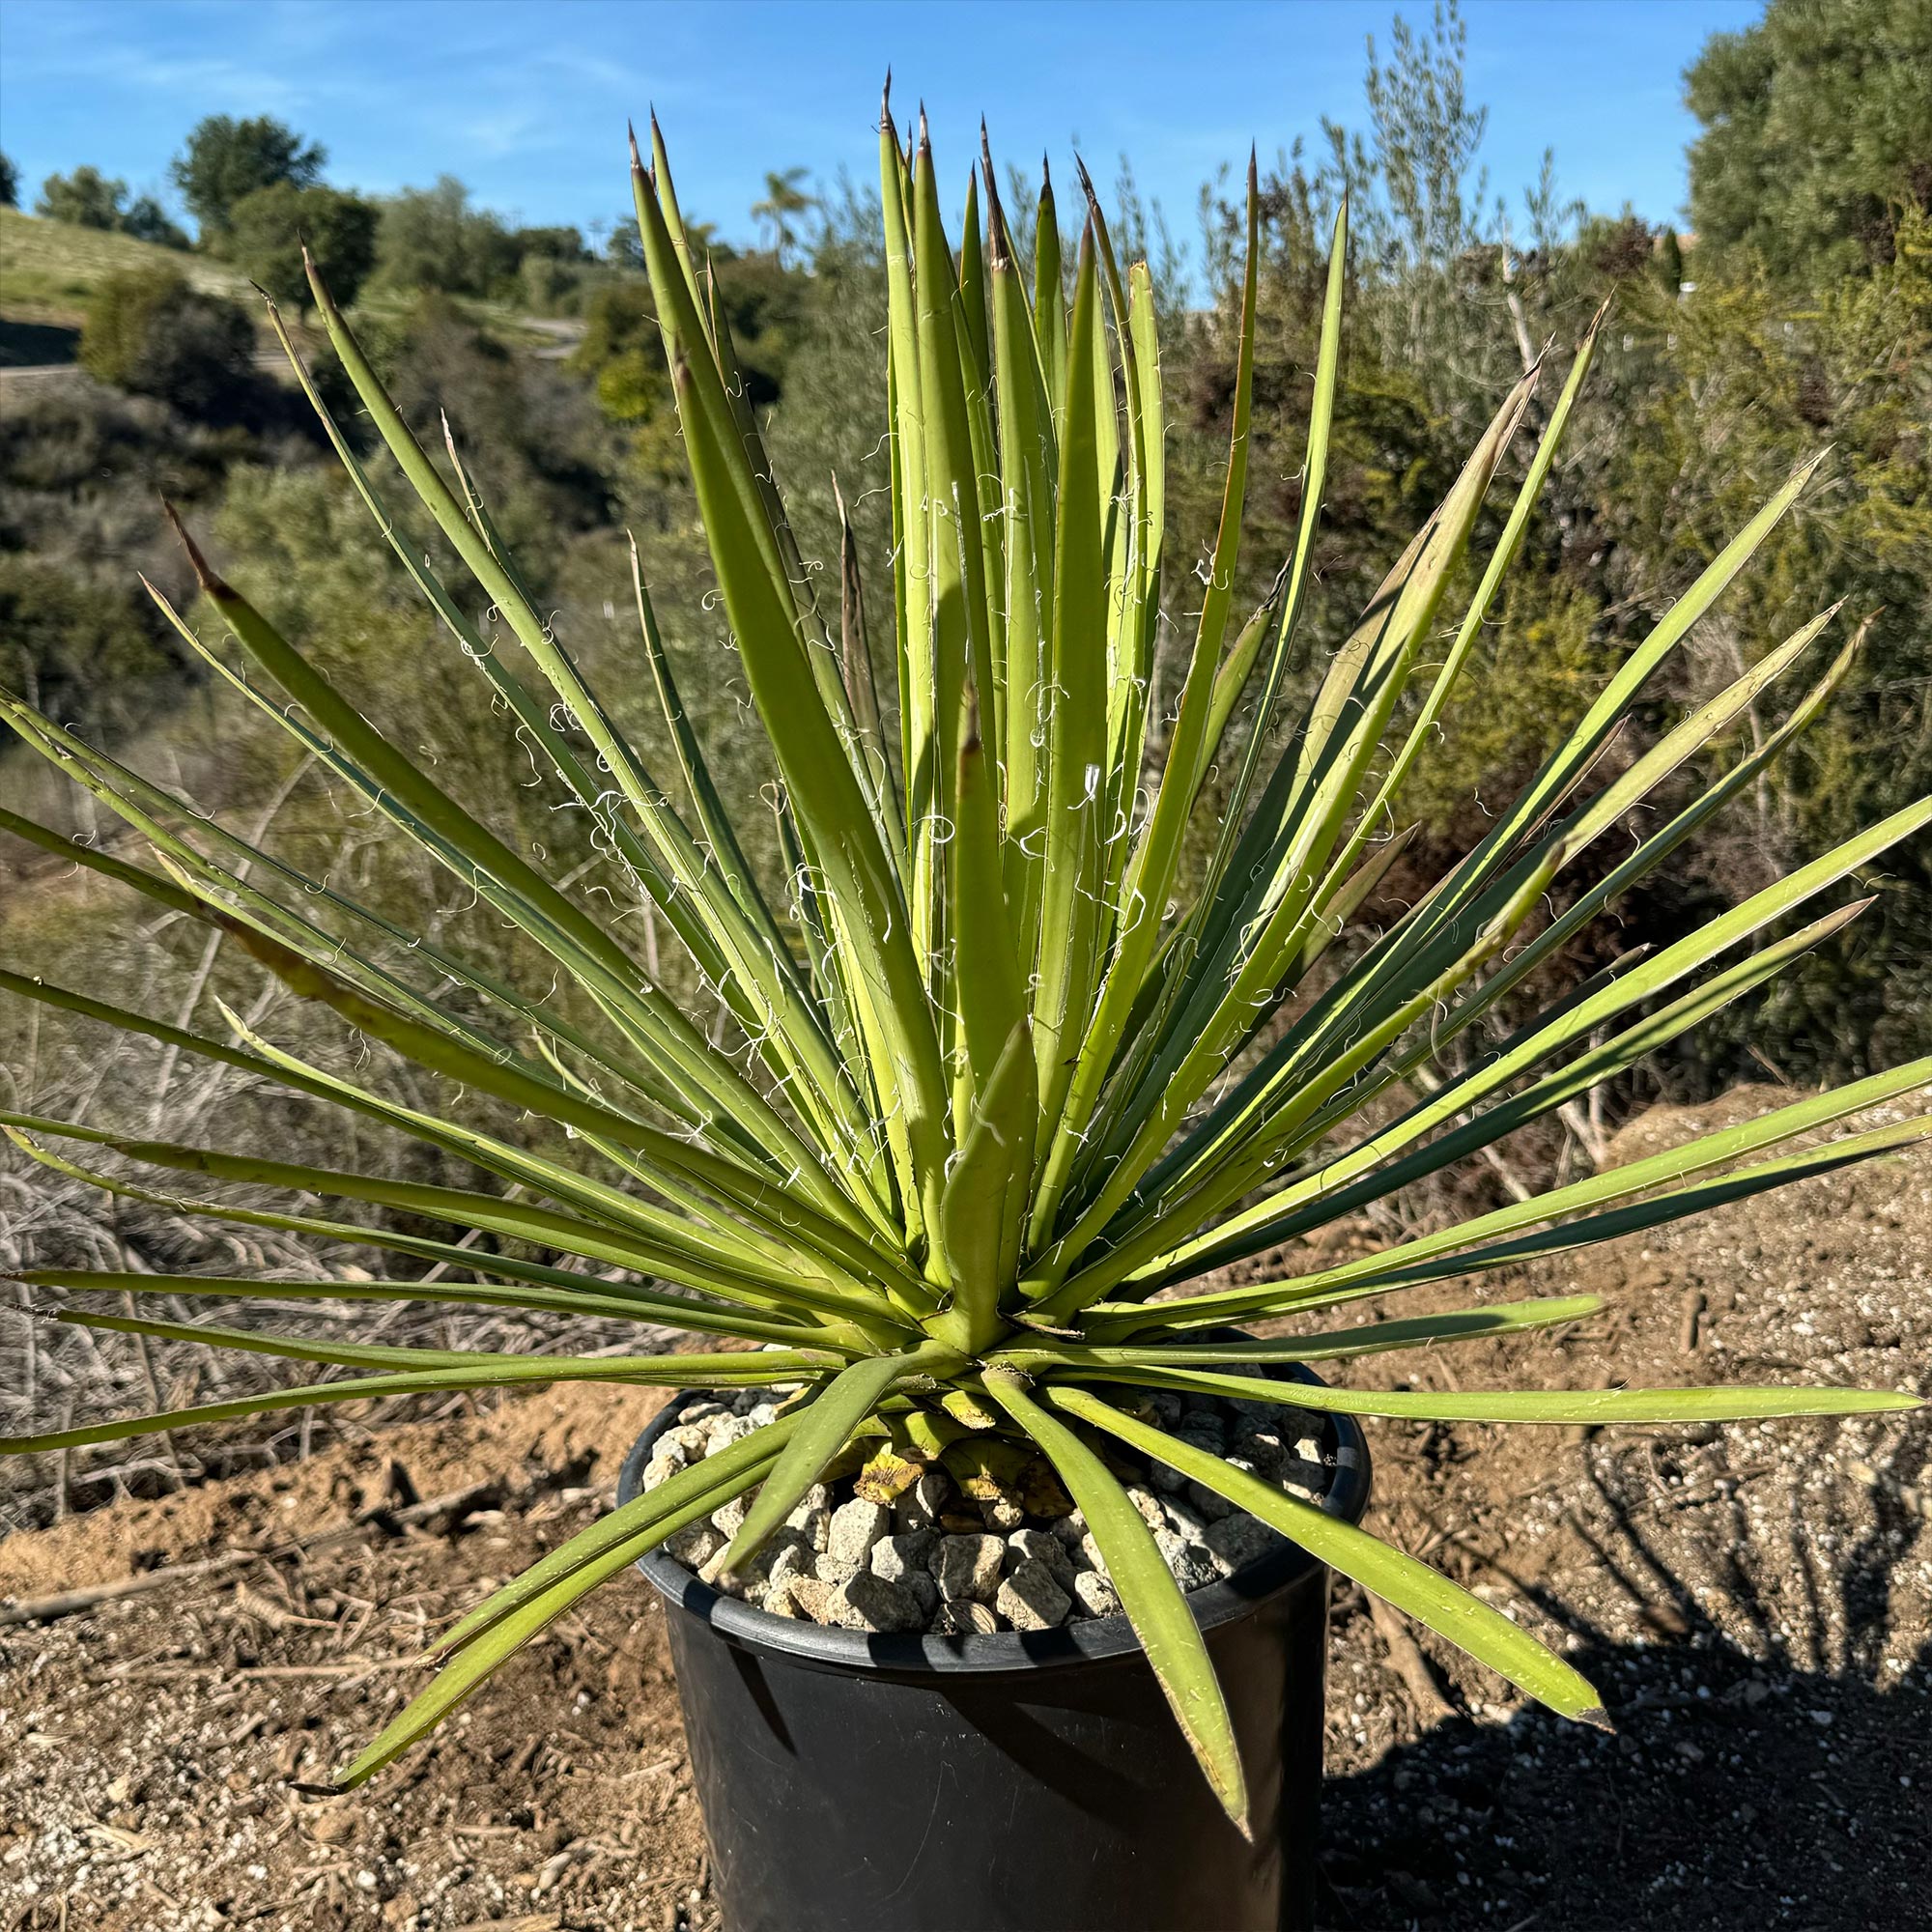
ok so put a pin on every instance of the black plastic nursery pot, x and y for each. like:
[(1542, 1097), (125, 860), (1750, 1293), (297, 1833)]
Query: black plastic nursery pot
[(1021, 1782)]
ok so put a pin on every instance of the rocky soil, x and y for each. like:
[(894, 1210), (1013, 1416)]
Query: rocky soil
[(1756, 1605)]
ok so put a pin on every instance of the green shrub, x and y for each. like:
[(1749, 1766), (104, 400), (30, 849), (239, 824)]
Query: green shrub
[(86, 650), (151, 333), (84, 199), (430, 237), (88, 199), (1815, 137), (267, 230)]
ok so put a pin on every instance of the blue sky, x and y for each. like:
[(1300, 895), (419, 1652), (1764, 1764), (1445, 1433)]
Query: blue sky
[(526, 99)]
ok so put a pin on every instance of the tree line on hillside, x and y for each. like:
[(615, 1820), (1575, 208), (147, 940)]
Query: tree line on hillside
[(256, 191)]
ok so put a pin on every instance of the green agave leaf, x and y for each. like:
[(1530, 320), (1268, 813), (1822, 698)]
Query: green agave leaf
[(983, 1215), (794, 1220), (214, 889), (722, 1475), (861, 677), (1049, 297), (703, 1229), (1029, 457), (1464, 1325), (1456, 1252), (1314, 479), (862, 888), (618, 1306), (920, 753), (1150, 872), (165, 892), (1326, 1190), (1076, 795), (1239, 978), (508, 1632), (1445, 1607), (962, 640), (796, 1040), (1648, 856), (683, 889), (988, 987), (1505, 554), (502, 1371), (780, 1365), (700, 1316), (1148, 1594), (698, 336), (1237, 667), (824, 1428), (398, 790), (1234, 1237), (1592, 1408), (465, 1207)]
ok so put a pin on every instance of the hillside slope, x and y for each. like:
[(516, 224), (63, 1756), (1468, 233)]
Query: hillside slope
[(50, 269)]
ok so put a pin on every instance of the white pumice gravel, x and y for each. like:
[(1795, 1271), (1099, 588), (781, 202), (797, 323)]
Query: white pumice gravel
[(968, 1566), (1029, 1599), (939, 1561)]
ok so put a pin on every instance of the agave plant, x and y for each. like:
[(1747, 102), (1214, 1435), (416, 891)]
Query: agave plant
[(993, 1065)]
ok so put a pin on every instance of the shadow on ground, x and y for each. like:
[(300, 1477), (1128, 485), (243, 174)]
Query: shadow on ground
[(27, 345), (1773, 1769), (1736, 1796)]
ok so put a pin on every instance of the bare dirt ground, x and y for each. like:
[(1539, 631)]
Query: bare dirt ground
[(1755, 1604)]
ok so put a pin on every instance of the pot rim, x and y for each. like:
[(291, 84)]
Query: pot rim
[(1090, 1641)]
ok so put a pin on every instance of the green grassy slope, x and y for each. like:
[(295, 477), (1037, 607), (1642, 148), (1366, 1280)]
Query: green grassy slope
[(49, 269)]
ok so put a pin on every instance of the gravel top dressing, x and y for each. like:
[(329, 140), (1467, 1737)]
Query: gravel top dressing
[(961, 1551)]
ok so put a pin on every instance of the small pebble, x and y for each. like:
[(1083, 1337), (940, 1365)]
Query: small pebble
[(1069, 1530), (968, 1566), (1193, 1565), (856, 1527), (895, 1557), (1037, 1546), (868, 1602), (794, 1560), (1094, 1595), (1183, 1523), (1308, 1480), (1002, 1512), (1029, 1599), (811, 1517), (1236, 1540), (965, 1618), (696, 1543), (811, 1598), (730, 1517), (1210, 1505), (918, 1507)]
